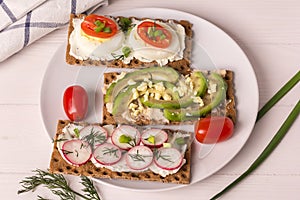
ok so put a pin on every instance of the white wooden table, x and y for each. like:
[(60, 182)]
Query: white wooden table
[(268, 32)]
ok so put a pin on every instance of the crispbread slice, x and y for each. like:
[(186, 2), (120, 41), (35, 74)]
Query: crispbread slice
[(227, 110), (59, 165), (135, 63)]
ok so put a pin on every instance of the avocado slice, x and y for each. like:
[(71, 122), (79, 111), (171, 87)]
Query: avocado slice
[(152, 73), (195, 112), (200, 83), (107, 96), (123, 99)]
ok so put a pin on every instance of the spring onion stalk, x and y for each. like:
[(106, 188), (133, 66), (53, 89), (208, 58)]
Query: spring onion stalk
[(285, 89), (278, 136)]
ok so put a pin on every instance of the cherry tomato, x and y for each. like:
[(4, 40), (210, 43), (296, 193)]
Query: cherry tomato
[(154, 34), (99, 26), (211, 130), (75, 102)]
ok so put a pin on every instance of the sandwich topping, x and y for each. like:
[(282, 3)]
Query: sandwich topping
[(161, 95), (102, 38), (124, 148)]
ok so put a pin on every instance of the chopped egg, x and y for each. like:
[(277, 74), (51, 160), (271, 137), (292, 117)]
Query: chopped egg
[(135, 94), (159, 87), (142, 87), (198, 100), (167, 97)]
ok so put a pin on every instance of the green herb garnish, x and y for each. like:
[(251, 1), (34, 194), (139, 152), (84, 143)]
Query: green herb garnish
[(110, 151), (180, 141), (125, 139), (151, 139), (94, 137), (107, 30), (278, 136), (66, 152), (76, 131), (59, 140), (163, 157), (125, 24), (138, 157), (126, 51), (58, 185)]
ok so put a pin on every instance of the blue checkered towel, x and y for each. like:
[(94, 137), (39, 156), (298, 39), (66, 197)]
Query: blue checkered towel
[(23, 22)]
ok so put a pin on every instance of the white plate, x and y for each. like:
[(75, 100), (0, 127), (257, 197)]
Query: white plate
[(212, 46)]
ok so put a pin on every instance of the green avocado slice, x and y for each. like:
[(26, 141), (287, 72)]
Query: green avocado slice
[(123, 99), (200, 83), (152, 73), (194, 112), (107, 96)]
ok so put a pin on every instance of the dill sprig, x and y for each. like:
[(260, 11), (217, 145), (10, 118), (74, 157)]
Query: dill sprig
[(110, 151), (58, 185), (164, 157), (94, 137), (89, 188)]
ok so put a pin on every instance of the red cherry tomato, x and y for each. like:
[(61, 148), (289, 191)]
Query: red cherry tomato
[(75, 102), (154, 34), (99, 26), (211, 130)]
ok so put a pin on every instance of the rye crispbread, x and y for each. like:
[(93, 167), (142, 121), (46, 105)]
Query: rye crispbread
[(226, 110), (59, 165), (135, 63)]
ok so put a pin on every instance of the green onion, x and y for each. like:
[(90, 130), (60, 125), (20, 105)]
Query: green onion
[(107, 30), (126, 51), (278, 136), (97, 29), (97, 23)]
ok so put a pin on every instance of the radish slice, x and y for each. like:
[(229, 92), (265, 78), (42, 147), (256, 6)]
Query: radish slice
[(76, 152), (154, 137), (168, 158), (107, 154), (94, 135), (126, 137), (139, 157)]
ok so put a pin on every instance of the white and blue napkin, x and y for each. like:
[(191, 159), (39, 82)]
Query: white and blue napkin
[(23, 22)]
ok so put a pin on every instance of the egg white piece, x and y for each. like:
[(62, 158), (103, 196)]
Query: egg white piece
[(147, 53), (83, 47)]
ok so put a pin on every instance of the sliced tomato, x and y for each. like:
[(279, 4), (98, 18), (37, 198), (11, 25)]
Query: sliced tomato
[(154, 34), (99, 26), (75, 102), (211, 130)]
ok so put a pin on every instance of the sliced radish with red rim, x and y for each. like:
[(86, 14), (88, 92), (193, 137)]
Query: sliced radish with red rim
[(94, 135), (168, 158), (107, 154), (76, 152), (126, 137), (154, 137), (139, 157)]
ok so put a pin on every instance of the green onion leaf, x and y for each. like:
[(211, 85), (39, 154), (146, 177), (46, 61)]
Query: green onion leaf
[(158, 33), (97, 29), (278, 136), (98, 23), (107, 30), (125, 139), (126, 51)]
